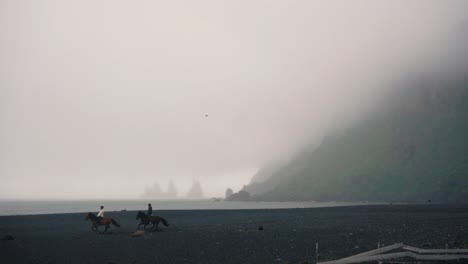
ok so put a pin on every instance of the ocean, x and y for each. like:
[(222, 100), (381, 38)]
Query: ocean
[(32, 207)]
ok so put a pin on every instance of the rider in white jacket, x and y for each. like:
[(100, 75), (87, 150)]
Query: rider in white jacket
[(100, 215)]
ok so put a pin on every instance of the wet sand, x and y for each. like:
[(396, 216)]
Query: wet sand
[(232, 236)]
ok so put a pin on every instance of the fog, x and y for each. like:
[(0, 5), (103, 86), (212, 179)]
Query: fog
[(102, 99)]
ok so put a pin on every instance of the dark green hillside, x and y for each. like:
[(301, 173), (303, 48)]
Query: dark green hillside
[(415, 150)]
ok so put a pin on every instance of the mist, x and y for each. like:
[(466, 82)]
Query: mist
[(102, 99)]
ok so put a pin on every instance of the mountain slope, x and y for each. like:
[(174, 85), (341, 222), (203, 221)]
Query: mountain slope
[(415, 150)]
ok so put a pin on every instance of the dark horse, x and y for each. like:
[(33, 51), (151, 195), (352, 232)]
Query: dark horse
[(104, 221), (145, 220)]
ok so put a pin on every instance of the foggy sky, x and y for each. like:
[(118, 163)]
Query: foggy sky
[(102, 98)]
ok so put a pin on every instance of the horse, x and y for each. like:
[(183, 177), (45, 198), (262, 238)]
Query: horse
[(95, 223), (146, 220)]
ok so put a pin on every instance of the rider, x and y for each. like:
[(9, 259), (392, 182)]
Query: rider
[(100, 215), (150, 210)]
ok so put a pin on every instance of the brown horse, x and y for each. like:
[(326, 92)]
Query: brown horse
[(104, 221), (145, 220)]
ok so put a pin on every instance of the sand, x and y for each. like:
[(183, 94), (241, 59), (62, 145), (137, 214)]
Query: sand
[(232, 236)]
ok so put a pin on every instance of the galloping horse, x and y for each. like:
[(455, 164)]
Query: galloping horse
[(104, 221), (145, 220)]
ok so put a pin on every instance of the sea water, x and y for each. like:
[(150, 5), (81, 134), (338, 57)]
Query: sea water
[(31, 207)]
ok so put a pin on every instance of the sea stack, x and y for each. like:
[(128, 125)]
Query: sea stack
[(195, 191)]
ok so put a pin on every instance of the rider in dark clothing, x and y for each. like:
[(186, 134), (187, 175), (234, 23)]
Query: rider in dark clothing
[(150, 210)]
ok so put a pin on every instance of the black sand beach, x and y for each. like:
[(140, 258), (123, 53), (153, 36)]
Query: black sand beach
[(232, 236)]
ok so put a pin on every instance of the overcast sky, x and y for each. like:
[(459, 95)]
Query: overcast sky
[(100, 99)]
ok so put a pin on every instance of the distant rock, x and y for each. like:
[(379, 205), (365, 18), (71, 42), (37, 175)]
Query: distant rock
[(229, 192), (242, 196), (195, 191), (156, 192), (171, 190)]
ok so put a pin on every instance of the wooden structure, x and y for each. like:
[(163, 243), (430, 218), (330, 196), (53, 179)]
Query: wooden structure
[(403, 252)]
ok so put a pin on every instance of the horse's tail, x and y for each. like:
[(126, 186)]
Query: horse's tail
[(115, 223), (164, 221)]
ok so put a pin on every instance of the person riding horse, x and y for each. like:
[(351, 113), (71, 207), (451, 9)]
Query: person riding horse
[(100, 221), (146, 220)]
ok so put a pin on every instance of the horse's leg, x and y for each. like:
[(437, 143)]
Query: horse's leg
[(107, 227), (139, 226)]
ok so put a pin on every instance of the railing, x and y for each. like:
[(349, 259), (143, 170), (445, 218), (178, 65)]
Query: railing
[(410, 252)]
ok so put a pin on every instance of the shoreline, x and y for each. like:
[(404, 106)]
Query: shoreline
[(185, 210), (235, 209), (61, 207)]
